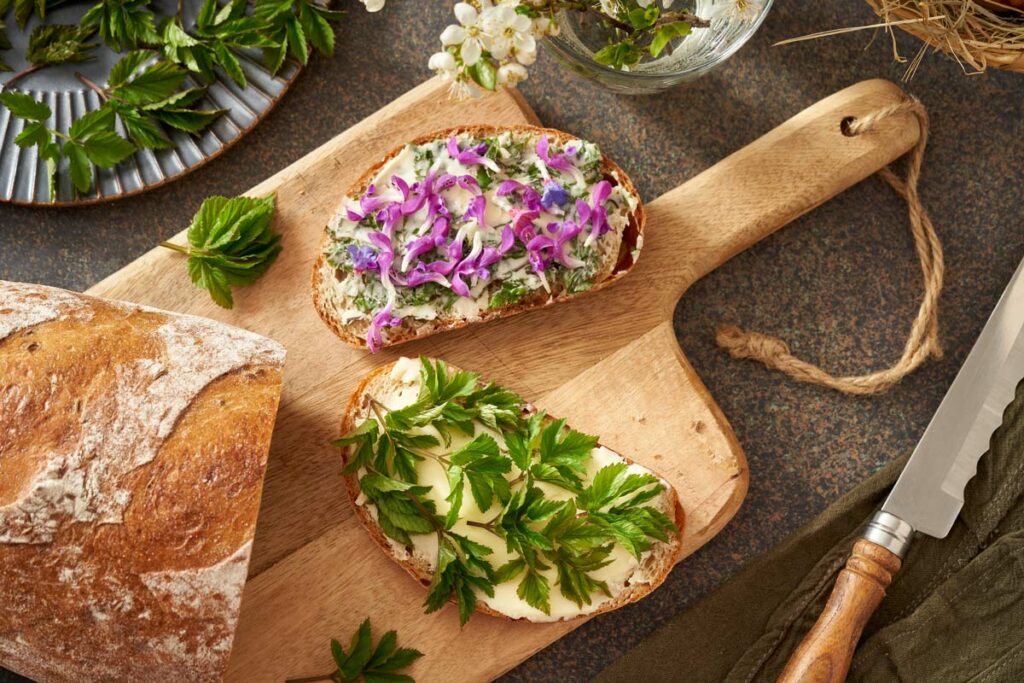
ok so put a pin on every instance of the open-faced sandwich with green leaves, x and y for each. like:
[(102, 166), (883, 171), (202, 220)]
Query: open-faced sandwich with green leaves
[(470, 224), (498, 507)]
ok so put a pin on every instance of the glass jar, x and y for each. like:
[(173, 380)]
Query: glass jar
[(733, 22)]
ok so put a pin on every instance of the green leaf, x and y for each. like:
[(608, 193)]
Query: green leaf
[(297, 46), (317, 29), (24, 9), (231, 243), (535, 590), (122, 24), (484, 73), (385, 648), (106, 148), (188, 120), (206, 276), (24, 106), (157, 82), (665, 34), (482, 445), (78, 163), (144, 130), (360, 651), (35, 133), (338, 653), (454, 497), (230, 64), (127, 66), (509, 571), (87, 125), (369, 664), (58, 44)]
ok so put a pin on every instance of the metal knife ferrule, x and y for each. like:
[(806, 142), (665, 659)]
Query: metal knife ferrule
[(890, 532)]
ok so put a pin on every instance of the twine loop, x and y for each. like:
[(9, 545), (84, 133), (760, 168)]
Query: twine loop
[(923, 340)]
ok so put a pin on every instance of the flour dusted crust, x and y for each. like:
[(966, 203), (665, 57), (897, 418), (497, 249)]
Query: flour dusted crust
[(615, 266), (654, 570), (133, 445)]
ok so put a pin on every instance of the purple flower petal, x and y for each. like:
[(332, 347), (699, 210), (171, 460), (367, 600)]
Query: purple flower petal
[(554, 195)]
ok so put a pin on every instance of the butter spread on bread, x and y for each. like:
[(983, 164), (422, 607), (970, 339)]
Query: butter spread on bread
[(133, 445), (470, 224), (583, 528)]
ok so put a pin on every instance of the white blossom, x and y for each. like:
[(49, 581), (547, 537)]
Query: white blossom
[(735, 10), (373, 5), (505, 30), (466, 33)]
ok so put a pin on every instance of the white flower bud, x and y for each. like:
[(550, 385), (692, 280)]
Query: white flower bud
[(443, 63), (512, 73), (373, 5)]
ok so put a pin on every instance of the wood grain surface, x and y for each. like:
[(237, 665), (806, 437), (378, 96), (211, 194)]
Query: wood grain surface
[(608, 362), (824, 655)]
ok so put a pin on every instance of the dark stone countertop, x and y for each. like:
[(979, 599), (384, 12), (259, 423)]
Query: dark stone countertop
[(841, 284)]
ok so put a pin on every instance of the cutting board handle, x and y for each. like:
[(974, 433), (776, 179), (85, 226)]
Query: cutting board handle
[(755, 191)]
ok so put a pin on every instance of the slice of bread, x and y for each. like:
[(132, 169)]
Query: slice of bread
[(336, 303), (654, 566)]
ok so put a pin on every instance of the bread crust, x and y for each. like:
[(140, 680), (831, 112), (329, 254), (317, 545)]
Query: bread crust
[(133, 444), (665, 560), (539, 299)]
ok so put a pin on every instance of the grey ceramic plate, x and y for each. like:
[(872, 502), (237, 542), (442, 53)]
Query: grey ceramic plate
[(23, 176)]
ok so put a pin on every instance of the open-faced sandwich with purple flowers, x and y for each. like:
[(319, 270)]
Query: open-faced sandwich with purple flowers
[(471, 224)]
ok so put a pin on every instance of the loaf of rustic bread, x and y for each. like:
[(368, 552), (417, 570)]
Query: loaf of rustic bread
[(133, 444)]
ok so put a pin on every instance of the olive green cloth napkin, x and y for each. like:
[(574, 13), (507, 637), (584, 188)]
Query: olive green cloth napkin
[(954, 612)]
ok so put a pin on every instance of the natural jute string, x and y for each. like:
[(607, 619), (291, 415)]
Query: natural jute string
[(924, 333)]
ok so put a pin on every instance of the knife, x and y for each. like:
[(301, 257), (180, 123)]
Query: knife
[(928, 495)]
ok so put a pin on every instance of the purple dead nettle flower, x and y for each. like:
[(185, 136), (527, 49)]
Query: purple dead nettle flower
[(554, 195), (471, 156), (553, 247), (368, 203), (476, 210), (413, 198), (595, 212), (385, 318), (530, 196), (558, 161), (421, 274), (363, 258), (421, 245)]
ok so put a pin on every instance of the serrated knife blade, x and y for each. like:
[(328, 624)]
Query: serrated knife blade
[(929, 493)]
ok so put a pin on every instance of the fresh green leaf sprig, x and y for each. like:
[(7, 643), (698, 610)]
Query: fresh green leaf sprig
[(575, 537), (364, 662), (149, 89), (90, 141), (146, 97), (231, 243)]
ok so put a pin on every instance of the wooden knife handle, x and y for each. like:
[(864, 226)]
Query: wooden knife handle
[(825, 653)]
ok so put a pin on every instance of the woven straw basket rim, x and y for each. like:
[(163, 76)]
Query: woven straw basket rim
[(970, 51)]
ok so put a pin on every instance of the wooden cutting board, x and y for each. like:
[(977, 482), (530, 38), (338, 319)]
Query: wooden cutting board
[(609, 363)]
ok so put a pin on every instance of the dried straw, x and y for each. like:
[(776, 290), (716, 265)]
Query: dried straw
[(979, 35)]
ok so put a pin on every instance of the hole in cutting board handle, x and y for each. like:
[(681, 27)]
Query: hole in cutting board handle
[(845, 124)]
